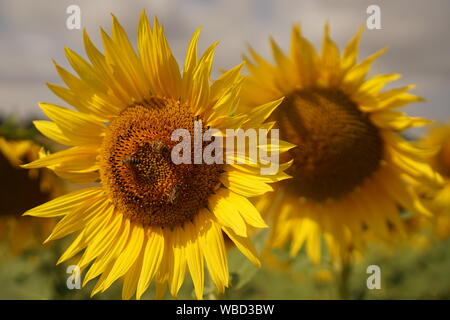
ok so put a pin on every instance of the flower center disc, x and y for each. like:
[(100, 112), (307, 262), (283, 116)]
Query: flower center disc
[(138, 172), (338, 146)]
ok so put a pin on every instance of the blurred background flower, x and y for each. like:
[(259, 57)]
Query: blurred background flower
[(438, 137), (21, 190)]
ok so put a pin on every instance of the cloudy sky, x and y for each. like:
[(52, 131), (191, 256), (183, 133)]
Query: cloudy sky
[(416, 32)]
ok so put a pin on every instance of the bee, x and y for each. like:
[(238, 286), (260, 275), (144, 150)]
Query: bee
[(174, 193), (158, 146), (130, 160)]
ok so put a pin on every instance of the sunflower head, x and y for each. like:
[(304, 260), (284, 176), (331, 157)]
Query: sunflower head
[(351, 167), (149, 218), (438, 200), (339, 147)]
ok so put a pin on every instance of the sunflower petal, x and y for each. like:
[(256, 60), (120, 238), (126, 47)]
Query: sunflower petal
[(153, 254), (226, 212), (127, 257), (247, 210), (244, 184), (79, 158), (213, 247), (244, 245), (195, 261), (64, 204), (397, 121)]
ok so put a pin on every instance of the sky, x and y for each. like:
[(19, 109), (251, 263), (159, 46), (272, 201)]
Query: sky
[(32, 33)]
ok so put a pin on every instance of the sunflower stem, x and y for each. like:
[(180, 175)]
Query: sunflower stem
[(344, 281)]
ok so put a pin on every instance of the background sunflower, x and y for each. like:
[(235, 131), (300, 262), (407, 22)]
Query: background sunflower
[(438, 137), (22, 189), (352, 169)]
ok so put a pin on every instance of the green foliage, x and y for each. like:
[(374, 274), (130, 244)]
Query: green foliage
[(406, 274), (11, 128)]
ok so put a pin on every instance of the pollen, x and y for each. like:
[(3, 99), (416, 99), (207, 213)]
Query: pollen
[(137, 169), (338, 146)]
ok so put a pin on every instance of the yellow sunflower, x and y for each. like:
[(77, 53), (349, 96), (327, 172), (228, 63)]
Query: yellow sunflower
[(439, 137), (351, 167), (147, 218), (22, 190)]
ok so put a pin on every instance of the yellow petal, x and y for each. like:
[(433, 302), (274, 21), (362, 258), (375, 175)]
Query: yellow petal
[(261, 113), (84, 69), (244, 245), (78, 177), (350, 54), (194, 259), (417, 169), (305, 58), (79, 125), (213, 247), (76, 246), (396, 99), (53, 132), (121, 66), (200, 87), (402, 192), (247, 210), (190, 64), (64, 204), (79, 158), (106, 261), (157, 59), (226, 213), (275, 145), (127, 257), (331, 62), (376, 83), (243, 184), (102, 241), (131, 279), (77, 218), (409, 148), (225, 81), (397, 121), (153, 255), (104, 71), (356, 75), (178, 271)]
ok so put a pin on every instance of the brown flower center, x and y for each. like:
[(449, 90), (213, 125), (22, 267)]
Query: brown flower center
[(337, 145), (137, 168)]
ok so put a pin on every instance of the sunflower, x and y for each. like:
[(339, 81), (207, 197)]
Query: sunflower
[(351, 168), (22, 190), (146, 218), (439, 201)]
